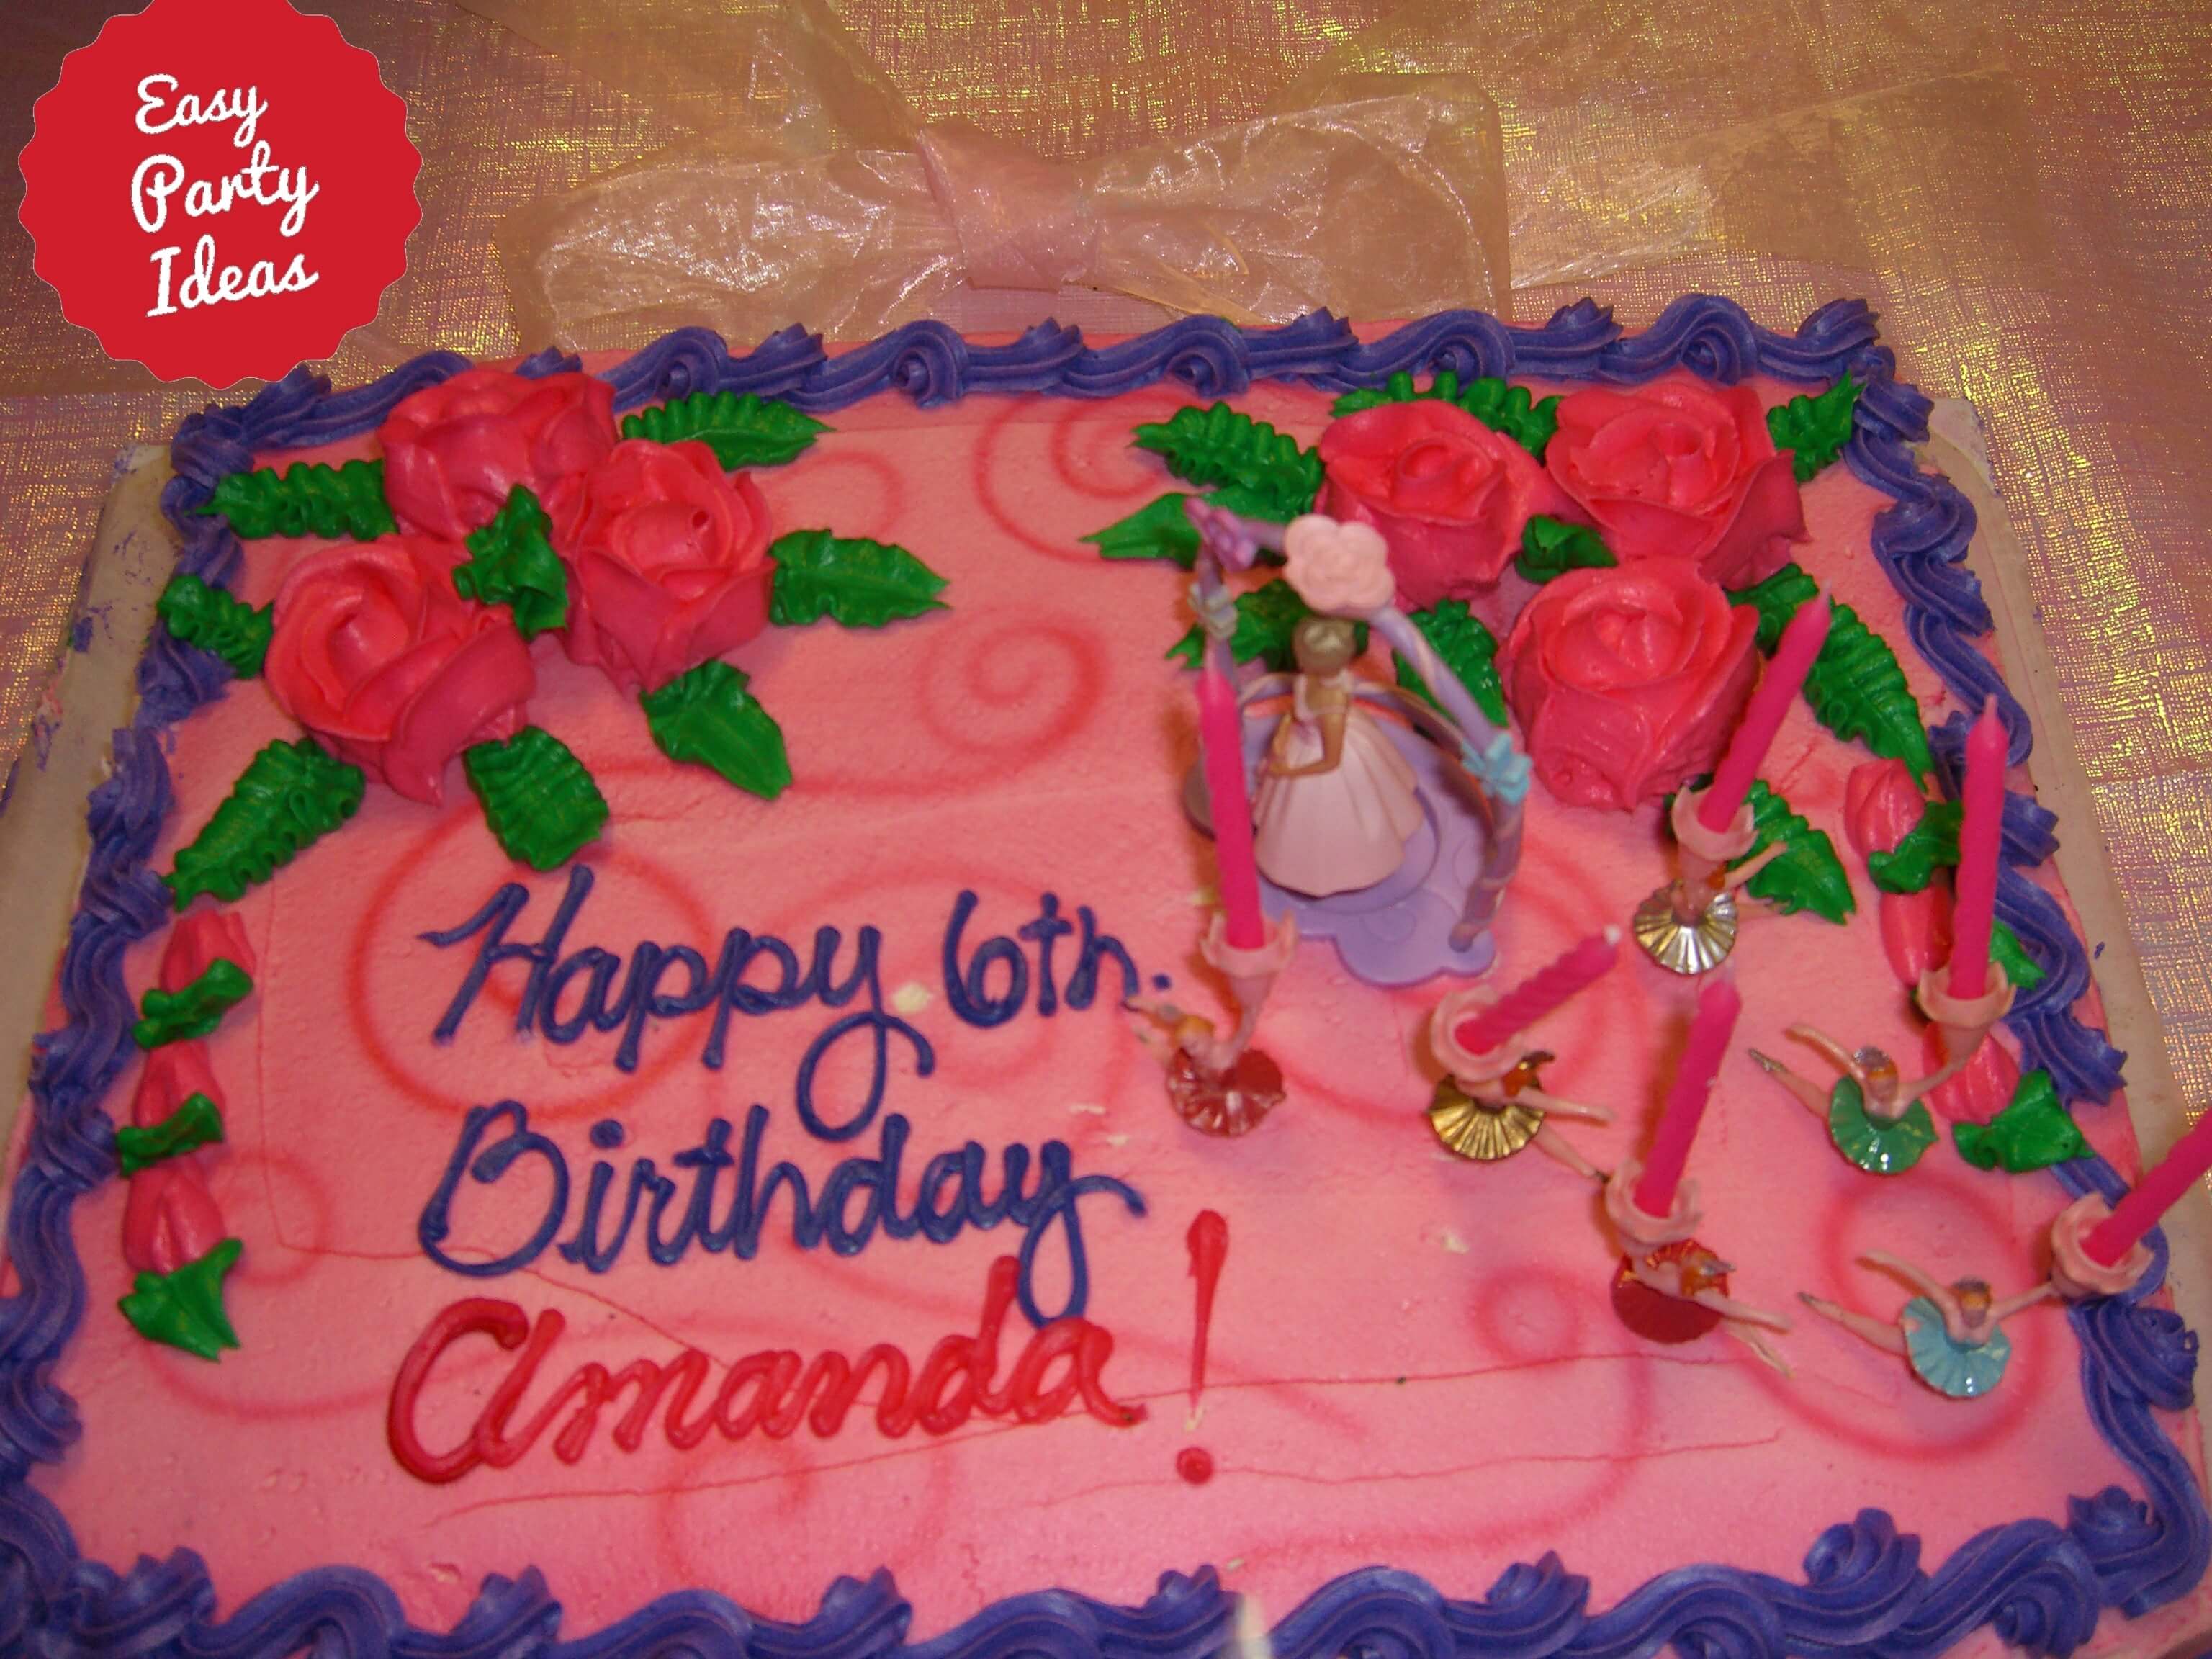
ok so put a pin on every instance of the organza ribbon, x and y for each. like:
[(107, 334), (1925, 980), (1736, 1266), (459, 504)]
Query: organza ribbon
[(1387, 179)]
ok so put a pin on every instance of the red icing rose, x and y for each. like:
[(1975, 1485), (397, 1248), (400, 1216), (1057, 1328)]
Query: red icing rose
[(199, 941), (174, 1073), (453, 451), (1681, 470), (1449, 495), (1628, 680), (169, 1218), (668, 559), (376, 655)]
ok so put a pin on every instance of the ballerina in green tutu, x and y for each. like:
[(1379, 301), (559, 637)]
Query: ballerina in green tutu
[(1877, 1121), (1953, 1335)]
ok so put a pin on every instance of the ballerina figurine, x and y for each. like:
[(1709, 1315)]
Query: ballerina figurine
[(1953, 1335), (1219, 1087), (1336, 802), (1487, 1118), (1685, 1271), (1878, 1121)]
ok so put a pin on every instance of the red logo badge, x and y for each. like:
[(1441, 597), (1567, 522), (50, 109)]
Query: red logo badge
[(219, 189)]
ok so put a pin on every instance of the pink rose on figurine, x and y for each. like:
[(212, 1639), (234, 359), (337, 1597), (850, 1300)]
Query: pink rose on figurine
[(668, 559), (1339, 570), (1679, 470), (376, 655), (452, 451), (1627, 680), (1449, 495)]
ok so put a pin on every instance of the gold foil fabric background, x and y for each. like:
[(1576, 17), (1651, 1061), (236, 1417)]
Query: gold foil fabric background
[(2021, 186)]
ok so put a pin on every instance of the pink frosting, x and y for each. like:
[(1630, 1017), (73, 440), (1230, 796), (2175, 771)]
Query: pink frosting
[(199, 941), (1679, 470), (452, 451), (172, 1074), (169, 1218), (375, 654), (1626, 681), (1449, 495), (668, 559)]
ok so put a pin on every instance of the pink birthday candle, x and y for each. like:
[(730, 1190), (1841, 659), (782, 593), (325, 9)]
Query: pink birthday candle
[(1980, 830), (1540, 993), (1221, 739), (2153, 1195), (1718, 1005), (1754, 734)]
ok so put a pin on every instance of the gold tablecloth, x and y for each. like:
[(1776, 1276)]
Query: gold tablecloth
[(2021, 186)]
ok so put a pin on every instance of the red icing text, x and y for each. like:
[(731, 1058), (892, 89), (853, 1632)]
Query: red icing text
[(772, 1391)]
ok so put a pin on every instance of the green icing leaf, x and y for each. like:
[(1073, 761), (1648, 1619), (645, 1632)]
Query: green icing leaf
[(217, 621), (308, 498), (1857, 688), (743, 431), (1549, 547), (707, 717), (196, 1123), (1499, 405), (2007, 951), (194, 1011), (290, 795), (1219, 445), (1267, 618), (1161, 529), (2033, 1133), (1467, 648), (540, 802), (850, 579), (1775, 600), (1815, 429), (1910, 865), (512, 562), (184, 1308)]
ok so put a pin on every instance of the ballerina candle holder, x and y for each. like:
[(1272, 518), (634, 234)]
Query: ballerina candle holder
[(1490, 1103), (1951, 1334), (2097, 1247), (1689, 925), (1668, 1287)]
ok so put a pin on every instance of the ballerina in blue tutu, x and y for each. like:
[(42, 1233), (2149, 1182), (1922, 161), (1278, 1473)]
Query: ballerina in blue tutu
[(1951, 1335)]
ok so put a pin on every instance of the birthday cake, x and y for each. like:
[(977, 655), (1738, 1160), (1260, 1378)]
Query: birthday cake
[(831, 1002)]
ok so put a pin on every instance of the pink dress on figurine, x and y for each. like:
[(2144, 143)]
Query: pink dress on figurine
[(1338, 830)]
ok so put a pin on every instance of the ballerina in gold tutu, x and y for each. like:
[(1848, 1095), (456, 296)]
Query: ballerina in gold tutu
[(1489, 1118)]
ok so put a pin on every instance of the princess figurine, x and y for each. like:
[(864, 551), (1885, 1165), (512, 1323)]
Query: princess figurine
[(1951, 1335), (1336, 803), (1876, 1121)]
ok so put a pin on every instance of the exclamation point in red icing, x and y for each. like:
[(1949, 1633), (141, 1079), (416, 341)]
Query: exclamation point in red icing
[(1208, 1242)]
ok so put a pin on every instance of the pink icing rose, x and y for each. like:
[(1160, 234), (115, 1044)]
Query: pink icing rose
[(1628, 680), (174, 1073), (668, 559), (453, 451), (199, 941), (169, 1218), (1679, 470), (376, 655), (1449, 495)]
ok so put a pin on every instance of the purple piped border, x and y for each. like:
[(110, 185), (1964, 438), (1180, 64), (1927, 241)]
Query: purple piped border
[(2039, 1585)]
